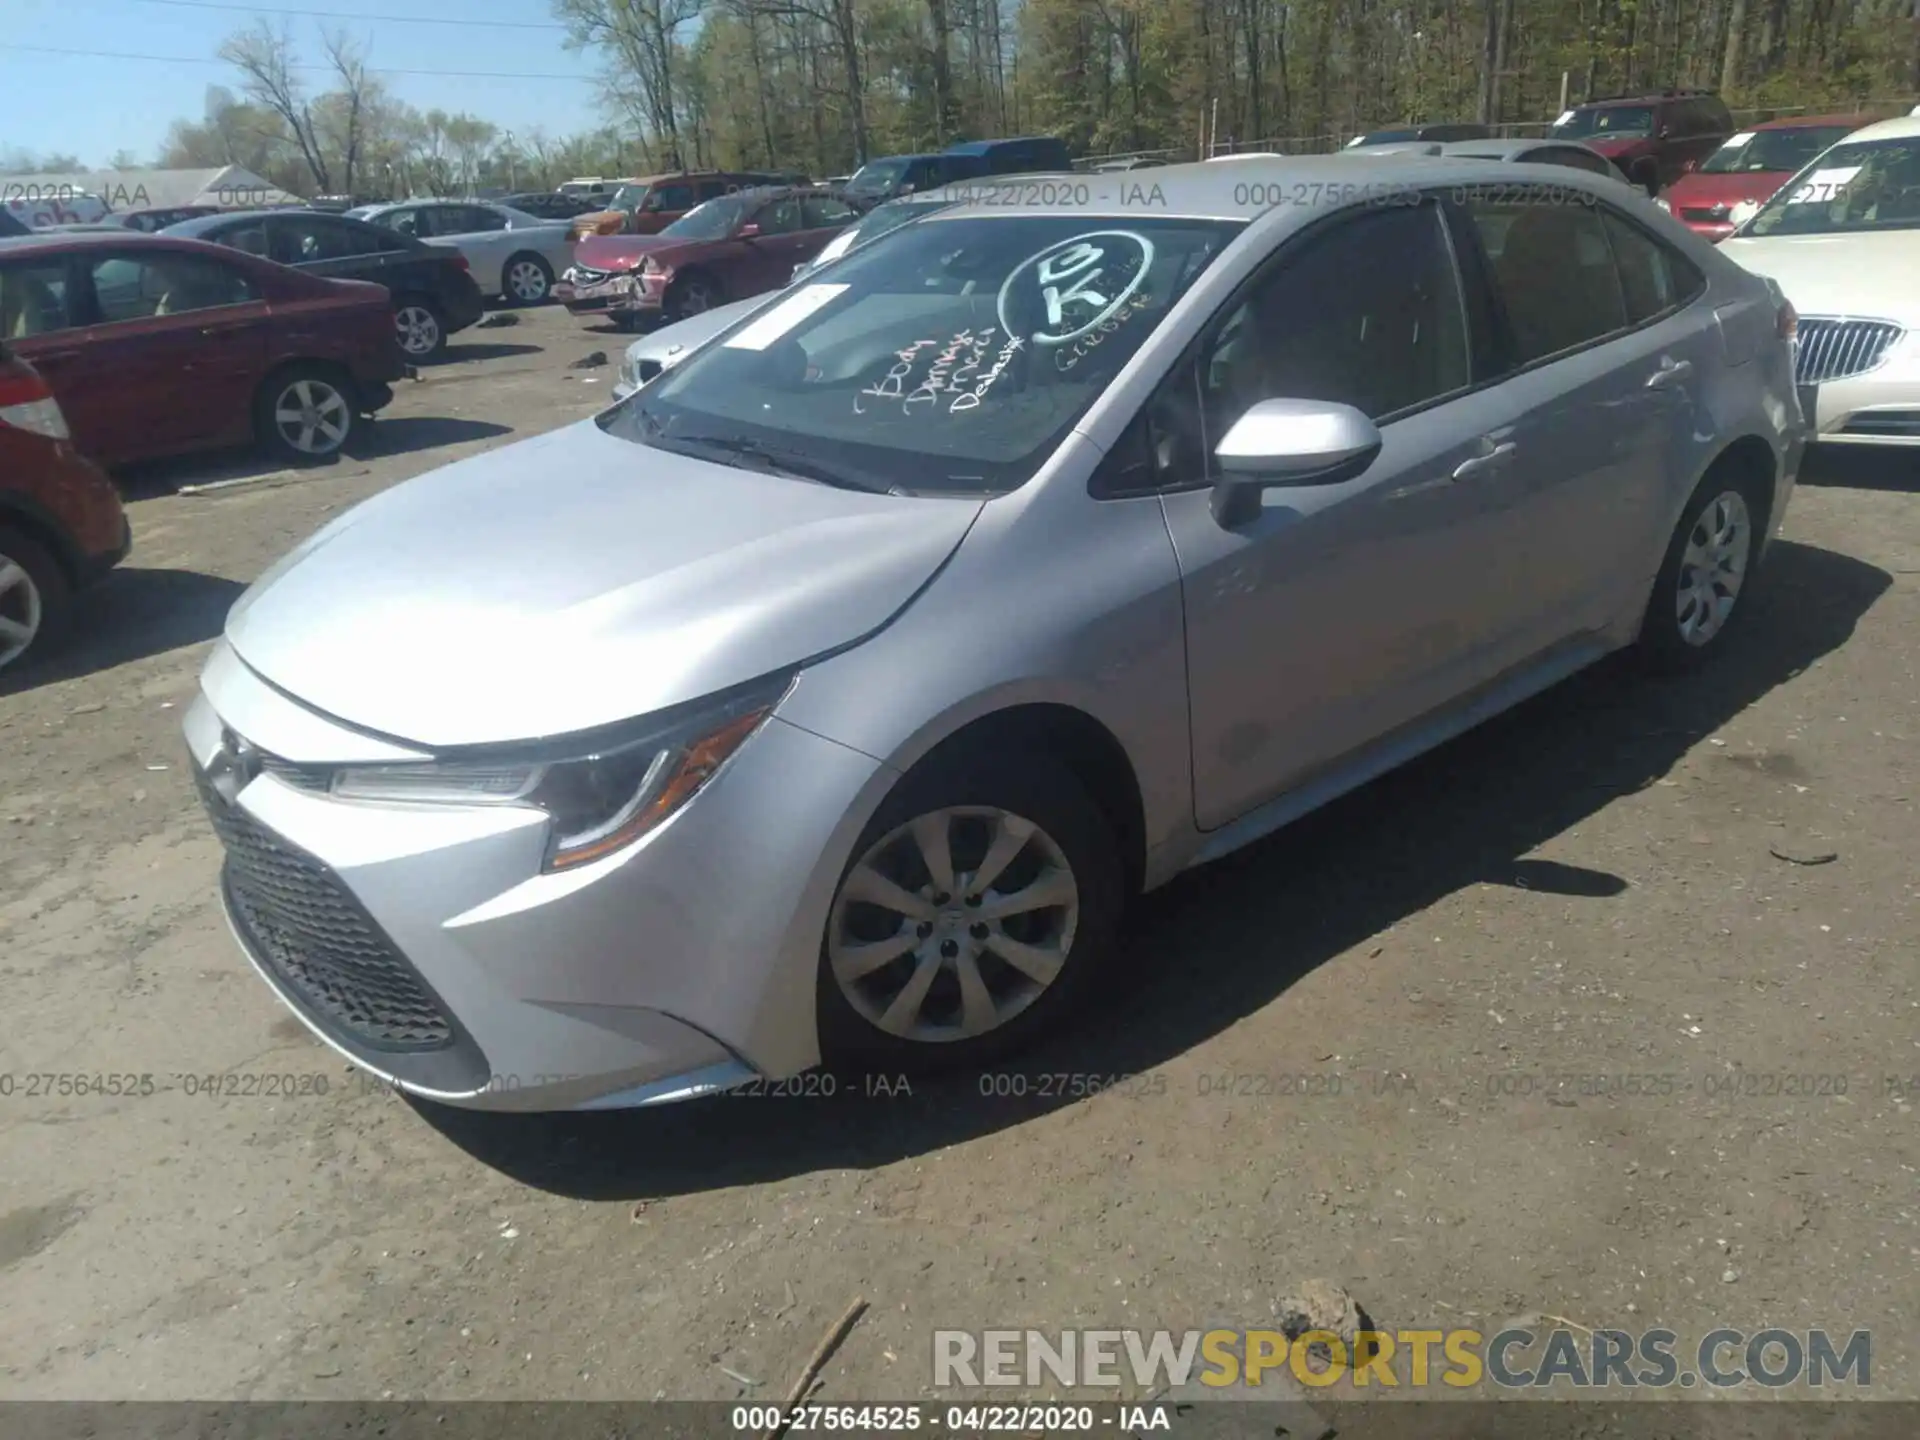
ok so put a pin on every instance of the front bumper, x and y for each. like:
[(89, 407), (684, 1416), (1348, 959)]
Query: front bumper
[(424, 943), (630, 294)]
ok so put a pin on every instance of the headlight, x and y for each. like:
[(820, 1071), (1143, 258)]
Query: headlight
[(1663, 203), (649, 266), (602, 798), (630, 371)]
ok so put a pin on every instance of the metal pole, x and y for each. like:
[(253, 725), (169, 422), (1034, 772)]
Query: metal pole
[(1213, 128), (1566, 80)]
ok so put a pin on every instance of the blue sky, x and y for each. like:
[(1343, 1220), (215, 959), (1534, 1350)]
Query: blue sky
[(91, 105)]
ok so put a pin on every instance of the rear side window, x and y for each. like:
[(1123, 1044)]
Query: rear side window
[(671, 198), (1553, 269), (1653, 278), (33, 298), (250, 238)]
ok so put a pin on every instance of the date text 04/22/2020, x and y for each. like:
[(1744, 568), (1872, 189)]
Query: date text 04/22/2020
[(1026, 1419)]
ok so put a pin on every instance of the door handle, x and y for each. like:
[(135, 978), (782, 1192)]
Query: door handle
[(1671, 372), (1492, 460)]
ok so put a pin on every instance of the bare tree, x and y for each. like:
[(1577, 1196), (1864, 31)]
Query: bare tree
[(643, 39), (266, 60), (349, 103)]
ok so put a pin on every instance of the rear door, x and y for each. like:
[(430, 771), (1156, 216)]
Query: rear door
[(180, 340), (43, 319), (1603, 396)]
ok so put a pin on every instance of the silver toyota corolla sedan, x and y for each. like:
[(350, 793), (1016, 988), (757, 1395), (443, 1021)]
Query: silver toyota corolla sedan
[(831, 696)]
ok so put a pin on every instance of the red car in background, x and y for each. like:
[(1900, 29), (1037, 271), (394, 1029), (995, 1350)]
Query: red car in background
[(729, 249), (159, 346), (61, 525), (1751, 166)]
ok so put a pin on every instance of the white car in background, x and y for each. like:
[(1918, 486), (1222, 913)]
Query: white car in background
[(1842, 240), (512, 254)]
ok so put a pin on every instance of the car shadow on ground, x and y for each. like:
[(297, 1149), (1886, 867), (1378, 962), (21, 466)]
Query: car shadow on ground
[(1220, 943), (399, 435), (457, 353), (1862, 468), (130, 615)]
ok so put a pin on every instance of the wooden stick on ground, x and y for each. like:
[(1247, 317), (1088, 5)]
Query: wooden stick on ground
[(822, 1353)]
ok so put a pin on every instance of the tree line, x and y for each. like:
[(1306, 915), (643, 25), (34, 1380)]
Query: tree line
[(820, 85)]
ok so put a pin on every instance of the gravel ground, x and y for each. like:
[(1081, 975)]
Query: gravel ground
[(1541, 1024)]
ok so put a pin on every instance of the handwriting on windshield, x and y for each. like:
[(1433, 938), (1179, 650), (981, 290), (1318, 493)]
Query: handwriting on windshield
[(1068, 356), (1082, 282), (955, 370)]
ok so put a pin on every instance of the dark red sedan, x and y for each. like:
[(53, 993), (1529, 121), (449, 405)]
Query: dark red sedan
[(159, 346), (728, 249), (61, 525)]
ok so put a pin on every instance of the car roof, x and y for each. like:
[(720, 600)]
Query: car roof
[(1201, 190), (1508, 148), (980, 147), (118, 236), (1812, 122), (1901, 128)]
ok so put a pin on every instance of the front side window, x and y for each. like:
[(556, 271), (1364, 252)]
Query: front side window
[(125, 288), (782, 217), (1554, 272), (1367, 313), (672, 198), (1865, 185), (1606, 122), (820, 211), (1573, 159), (304, 240), (468, 220), (33, 298), (251, 238), (948, 356), (714, 220), (878, 177), (413, 222)]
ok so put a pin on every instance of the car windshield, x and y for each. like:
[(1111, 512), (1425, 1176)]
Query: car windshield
[(1763, 151), (1871, 185), (1605, 120), (714, 220), (950, 356), (515, 217), (880, 175), (1385, 137)]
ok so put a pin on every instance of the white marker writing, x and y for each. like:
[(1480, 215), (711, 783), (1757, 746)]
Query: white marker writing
[(970, 399), (893, 385)]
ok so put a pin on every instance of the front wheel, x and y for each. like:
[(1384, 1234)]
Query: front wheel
[(981, 900), (527, 280), (692, 295), (419, 328), (1699, 592), (34, 600), (305, 414)]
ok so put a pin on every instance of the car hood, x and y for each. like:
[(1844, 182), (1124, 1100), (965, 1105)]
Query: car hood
[(1864, 275), (1697, 190), (616, 252), (576, 580)]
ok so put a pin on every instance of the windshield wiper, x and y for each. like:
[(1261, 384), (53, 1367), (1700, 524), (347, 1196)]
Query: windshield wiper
[(780, 461)]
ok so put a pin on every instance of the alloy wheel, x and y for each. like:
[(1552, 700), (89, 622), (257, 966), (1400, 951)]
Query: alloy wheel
[(953, 924), (20, 610), (312, 417), (418, 329), (1713, 566), (526, 282)]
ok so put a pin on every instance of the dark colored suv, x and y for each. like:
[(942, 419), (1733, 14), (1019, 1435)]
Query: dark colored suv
[(1443, 132), (434, 296), (1654, 139)]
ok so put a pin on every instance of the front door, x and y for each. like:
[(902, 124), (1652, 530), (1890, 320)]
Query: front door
[(1338, 614), (181, 342), (765, 260)]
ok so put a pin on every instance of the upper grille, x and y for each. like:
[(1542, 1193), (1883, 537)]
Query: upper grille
[(1703, 213), (584, 276), (304, 924), (1832, 349)]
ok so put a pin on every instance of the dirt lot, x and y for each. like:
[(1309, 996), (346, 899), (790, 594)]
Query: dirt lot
[(1466, 966)]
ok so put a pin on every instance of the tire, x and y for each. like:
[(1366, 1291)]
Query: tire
[(942, 954), (420, 328), (526, 279), (693, 294), (306, 414), (1646, 174), (36, 602), (1701, 592), (625, 321)]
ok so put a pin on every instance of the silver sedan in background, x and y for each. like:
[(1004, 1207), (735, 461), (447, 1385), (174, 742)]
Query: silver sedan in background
[(513, 255), (831, 696)]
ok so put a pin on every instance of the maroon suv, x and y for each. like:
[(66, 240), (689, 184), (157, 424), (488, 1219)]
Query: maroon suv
[(159, 346), (1654, 139)]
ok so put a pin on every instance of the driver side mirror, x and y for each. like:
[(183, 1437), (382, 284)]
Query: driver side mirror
[(747, 231), (1289, 443)]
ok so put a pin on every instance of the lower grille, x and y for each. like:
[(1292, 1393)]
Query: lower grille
[(1835, 349), (1893, 424), (1703, 214), (301, 922)]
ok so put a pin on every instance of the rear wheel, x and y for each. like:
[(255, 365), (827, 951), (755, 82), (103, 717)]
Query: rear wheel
[(1701, 589), (527, 279), (419, 328), (305, 414), (981, 900), (35, 600)]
